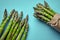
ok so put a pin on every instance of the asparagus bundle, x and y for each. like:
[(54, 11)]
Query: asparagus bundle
[(46, 14), (16, 24), (16, 27)]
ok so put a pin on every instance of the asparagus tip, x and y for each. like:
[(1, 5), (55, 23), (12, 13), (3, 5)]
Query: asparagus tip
[(16, 18), (35, 15), (5, 13), (34, 8), (12, 12), (46, 4), (5, 10), (16, 14), (21, 14), (39, 5), (22, 22)]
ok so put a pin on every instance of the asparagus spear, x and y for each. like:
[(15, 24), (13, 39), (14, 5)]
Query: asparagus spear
[(20, 17), (42, 13), (8, 28), (5, 22), (18, 30), (48, 7), (38, 5), (4, 16), (22, 30), (14, 23), (25, 33)]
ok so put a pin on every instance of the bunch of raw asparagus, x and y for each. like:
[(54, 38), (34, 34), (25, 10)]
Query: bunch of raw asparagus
[(43, 12), (46, 14), (13, 27)]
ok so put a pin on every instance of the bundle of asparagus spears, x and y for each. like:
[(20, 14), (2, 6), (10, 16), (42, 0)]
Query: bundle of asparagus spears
[(13, 27), (46, 14)]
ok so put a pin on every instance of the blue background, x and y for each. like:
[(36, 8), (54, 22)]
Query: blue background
[(37, 30)]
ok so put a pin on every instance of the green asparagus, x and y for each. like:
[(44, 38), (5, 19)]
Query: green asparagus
[(14, 23), (4, 16), (22, 30), (8, 28), (41, 17), (18, 29), (52, 14), (43, 13), (25, 33), (48, 7), (20, 17), (5, 22)]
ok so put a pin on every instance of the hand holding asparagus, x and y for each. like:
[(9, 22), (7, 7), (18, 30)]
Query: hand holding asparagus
[(46, 14)]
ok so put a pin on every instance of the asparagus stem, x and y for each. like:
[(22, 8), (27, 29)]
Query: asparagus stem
[(18, 30), (38, 5), (7, 29), (14, 30), (22, 30), (20, 17), (48, 7), (9, 36), (5, 22), (25, 33), (14, 23)]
